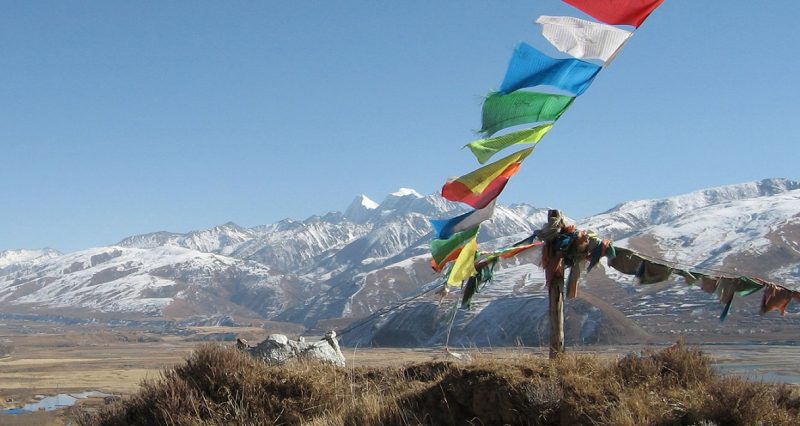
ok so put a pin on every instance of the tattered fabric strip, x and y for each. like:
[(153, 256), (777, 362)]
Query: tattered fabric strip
[(442, 249), (486, 148), (626, 261), (617, 12), (600, 248), (476, 282), (777, 298), (464, 267), (727, 287), (503, 111), (708, 284), (574, 276), (529, 67), (583, 39), (445, 228), (651, 272), (478, 188)]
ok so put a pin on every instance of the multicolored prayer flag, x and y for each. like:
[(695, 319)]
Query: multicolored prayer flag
[(465, 263), (478, 188), (484, 149), (439, 266), (617, 12), (443, 250), (529, 67), (445, 228), (583, 39), (503, 111)]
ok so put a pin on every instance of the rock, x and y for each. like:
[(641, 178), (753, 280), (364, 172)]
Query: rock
[(278, 349)]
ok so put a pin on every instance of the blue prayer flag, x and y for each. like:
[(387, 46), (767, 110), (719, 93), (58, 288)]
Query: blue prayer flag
[(530, 67), (445, 228)]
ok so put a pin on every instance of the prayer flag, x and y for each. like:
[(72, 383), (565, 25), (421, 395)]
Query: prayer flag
[(446, 228), (465, 264), (529, 67), (617, 12), (503, 111), (583, 39), (484, 149), (776, 298), (439, 266), (486, 258), (478, 188), (442, 249)]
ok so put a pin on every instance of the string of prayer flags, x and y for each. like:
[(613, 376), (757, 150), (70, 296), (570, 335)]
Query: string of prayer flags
[(484, 149), (446, 228), (573, 248), (529, 67), (508, 252), (617, 12), (478, 188), (464, 267), (503, 111), (583, 39), (456, 238), (446, 250)]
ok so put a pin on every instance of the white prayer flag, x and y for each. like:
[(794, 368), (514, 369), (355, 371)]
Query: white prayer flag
[(583, 39)]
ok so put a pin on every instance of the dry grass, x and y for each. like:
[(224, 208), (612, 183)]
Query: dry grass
[(218, 385)]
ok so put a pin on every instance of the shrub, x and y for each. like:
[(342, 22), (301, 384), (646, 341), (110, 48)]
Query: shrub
[(219, 386)]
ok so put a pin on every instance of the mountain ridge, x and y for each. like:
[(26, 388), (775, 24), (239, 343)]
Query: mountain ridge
[(348, 265)]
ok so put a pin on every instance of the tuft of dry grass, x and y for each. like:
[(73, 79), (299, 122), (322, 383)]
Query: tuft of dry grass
[(219, 385)]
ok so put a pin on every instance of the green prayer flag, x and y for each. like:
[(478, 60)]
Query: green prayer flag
[(521, 107), (485, 148), (747, 286), (440, 249)]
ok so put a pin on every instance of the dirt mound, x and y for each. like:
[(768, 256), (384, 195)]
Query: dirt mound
[(219, 385)]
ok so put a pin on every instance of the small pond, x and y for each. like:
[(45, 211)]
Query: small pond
[(50, 403)]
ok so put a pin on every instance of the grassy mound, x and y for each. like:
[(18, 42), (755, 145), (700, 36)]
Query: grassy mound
[(219, 386)]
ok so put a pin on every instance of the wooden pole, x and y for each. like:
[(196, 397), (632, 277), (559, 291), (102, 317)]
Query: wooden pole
[(556, 289), (554, 275)]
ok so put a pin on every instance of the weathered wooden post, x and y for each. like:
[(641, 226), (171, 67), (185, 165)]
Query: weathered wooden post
[(554, 278)]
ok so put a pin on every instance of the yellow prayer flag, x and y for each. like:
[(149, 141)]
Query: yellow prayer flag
[(479, 179), (464, 267)]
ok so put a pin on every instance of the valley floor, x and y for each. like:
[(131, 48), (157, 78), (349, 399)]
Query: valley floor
[(44, 359)]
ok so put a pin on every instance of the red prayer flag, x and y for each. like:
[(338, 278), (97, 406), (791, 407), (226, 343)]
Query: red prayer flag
[(617, 12), (455, 190)]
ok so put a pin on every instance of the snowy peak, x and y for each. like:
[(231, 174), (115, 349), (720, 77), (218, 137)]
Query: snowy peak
[(361, 209), (399, 198), (629, 216), (219, 239), (405, 192), (11, 257)]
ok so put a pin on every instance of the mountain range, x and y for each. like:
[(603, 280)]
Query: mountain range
[(345, 268)]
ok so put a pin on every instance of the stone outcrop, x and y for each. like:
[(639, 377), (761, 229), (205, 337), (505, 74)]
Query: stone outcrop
[(278, 349)]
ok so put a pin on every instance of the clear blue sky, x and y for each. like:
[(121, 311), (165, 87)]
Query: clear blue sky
[(120, 118)]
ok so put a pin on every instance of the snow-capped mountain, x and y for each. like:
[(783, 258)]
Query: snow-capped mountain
[(351, 264), (16, 258)]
